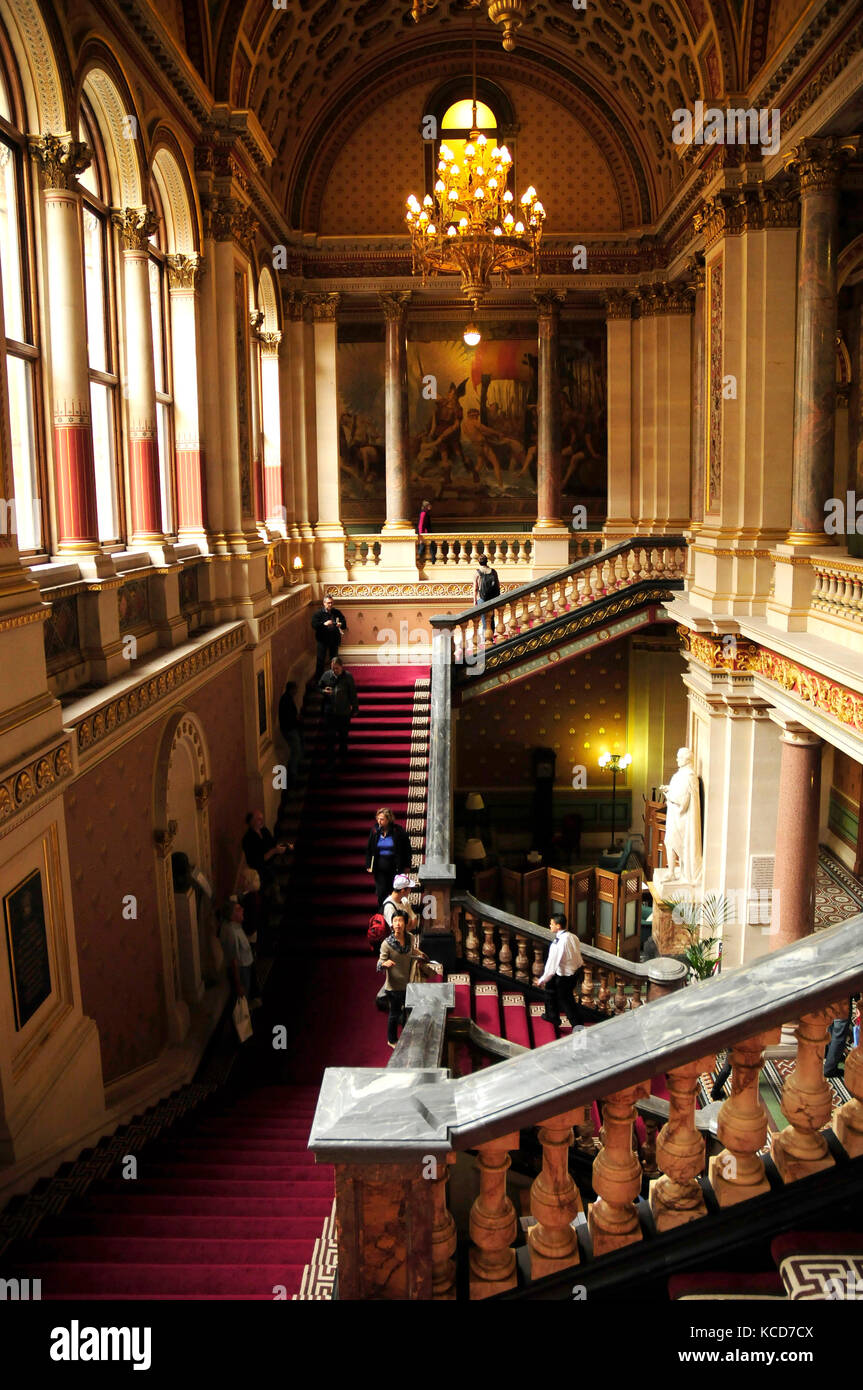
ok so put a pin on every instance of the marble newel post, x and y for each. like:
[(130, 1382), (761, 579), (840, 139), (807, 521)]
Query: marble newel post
[(398, 537), (61, 159), (796, 836), (818, 163), (550, 535), (135, 226), (329, 531)]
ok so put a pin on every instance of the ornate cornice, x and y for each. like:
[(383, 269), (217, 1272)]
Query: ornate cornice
[(96, 727), (183, 271), (36, 779), (395, 305), (60, 158), (675, 298), (548, 303), (136, 226), (723, 652), (818, 161), (324, 307)]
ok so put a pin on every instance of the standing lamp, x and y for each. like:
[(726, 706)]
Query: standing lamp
[(474, 806), (474, 851), (618, 762)]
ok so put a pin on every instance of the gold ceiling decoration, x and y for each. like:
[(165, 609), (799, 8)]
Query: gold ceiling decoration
[(509, 14)]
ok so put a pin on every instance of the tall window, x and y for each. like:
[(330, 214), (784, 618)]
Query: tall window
[(19, 312), (101, 328), (160, 319)]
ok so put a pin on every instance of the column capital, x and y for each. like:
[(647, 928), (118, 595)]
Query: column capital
[(227, 219), (395, 305), (136, 226), (61, 159), (817, 161), (548, 302), (183, 270), (324, 307), (794, 732), (618, 304), (270, 344), (719, 216), (674, 298), (294, 305)]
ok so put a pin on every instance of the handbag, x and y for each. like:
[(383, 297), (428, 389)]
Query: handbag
[(242, 1019)]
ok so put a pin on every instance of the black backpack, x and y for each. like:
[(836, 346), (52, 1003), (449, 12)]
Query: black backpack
[(489, 585)]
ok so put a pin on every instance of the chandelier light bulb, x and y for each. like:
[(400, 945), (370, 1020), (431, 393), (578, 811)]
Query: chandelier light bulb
[(505, 155), (507, 197), (519, 227), (462, 222), (439, 186), (508, 220), (479, 194), (454, 171), (428, 201), (492, 183), (498, 231), (431, 229), (450, 231), (471, 335), (470, 149), (453, 195), (482, 140)]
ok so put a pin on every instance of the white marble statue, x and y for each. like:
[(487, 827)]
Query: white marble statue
[(683, 822)]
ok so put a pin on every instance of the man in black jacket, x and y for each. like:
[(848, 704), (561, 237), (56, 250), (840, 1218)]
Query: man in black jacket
[(328, 624), (340, 705)]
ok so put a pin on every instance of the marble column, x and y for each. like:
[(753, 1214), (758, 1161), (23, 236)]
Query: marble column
[(61, 159), (295, 308), (818, 163), (618, 324), (398, 506), (796, 835), (183, 271), (135, 226), (275, 511), (699, 389), (256, 324), (329, 531), (548, 411)]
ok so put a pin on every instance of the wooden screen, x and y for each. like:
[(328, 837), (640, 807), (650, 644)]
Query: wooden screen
[(558, 892), (485, 886), (534, 903), (512, 892), (629, 915), (581, 903), (607, 894)]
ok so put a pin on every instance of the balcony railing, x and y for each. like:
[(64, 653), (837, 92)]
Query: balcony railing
[(393, 1134)]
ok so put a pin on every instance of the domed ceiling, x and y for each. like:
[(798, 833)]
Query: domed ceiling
[(317, 71)]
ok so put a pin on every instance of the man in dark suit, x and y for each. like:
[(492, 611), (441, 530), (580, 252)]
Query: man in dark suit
[(340, 705), (328, 624)]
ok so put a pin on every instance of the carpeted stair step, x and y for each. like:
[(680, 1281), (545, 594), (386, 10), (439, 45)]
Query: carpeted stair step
[(515, 1024), (541, 1031), (159, 1199), (74, 1280), (183, 1227), (144, 1250), (486, 1005)]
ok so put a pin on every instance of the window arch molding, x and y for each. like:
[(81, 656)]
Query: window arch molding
[(119, 125), (457, 89), (45, 82), (169, 171)]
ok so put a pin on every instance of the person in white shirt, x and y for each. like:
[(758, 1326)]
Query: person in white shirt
[(563, 971)]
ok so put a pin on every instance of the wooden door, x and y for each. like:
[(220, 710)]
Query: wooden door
[(559, 892)]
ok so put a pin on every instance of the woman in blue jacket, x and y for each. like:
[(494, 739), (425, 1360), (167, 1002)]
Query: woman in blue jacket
[(388, 852)]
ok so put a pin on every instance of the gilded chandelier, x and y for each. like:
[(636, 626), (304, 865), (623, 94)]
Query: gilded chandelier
[(472, 225), (509, 14)]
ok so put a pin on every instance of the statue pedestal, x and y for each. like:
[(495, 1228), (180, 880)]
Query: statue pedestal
[(671, 937)]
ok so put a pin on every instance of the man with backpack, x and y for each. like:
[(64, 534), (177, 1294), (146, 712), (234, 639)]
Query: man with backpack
[(486, 588)]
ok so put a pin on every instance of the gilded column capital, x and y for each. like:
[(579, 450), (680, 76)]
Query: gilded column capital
[(324, 307), (227, 219), (136, 226), (548, 302), (60, 158), (183, 270), (676, 298), (818, 160), (721, 215), (618, 304), (270, 344), (294, 304), (395, 305)]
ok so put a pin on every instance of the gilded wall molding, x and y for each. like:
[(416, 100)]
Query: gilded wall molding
[(183, 271), (61, 159), (136, 226), (19, 790)]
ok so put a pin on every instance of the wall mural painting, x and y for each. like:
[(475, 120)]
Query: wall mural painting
[(472, 424)]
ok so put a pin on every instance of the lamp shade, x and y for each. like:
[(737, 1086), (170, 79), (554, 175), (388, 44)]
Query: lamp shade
[(475, 802), (474, 849)]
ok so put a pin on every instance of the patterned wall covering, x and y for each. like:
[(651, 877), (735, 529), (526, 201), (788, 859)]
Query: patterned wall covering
[(384, 158), (714, 390), (578, 709), (109, 822)]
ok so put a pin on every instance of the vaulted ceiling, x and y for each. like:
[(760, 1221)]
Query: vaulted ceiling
[(316, 71)]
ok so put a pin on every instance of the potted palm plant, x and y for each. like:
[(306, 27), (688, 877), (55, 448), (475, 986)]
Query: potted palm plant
[(712, 912)]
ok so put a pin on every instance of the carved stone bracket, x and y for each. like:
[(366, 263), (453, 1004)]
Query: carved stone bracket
[(257, 318), (164, 838), (674, 298), (60, 158), (136, 226), (202, 793)]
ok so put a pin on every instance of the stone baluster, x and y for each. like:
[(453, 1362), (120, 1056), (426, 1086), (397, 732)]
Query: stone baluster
[(635, 998), (595, 582), (554, 1200), (602, 1002), (619, 994), (587, 985), (522, 960), (471, 945), (570, 596), (582, 590), (619, 571), (489, 950), (676, 1197), (444, 1238), (606, 576), (807, 1101), (504, 959), (493, 1222), (612, 1219), (737, 1173), (847, 1120), (538, 962)]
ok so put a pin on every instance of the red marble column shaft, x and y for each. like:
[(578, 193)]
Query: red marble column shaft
[(796, 838), (548, 413), (396, 388)]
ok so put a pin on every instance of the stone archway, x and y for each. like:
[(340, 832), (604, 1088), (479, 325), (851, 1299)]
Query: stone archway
[(181, 790)]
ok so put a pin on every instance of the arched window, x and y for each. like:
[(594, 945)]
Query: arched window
[(457, 123), (101, 327), (20, 322), (160, 320), (452, 107)]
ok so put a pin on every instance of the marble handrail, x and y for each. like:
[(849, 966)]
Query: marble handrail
[(366, 1116)]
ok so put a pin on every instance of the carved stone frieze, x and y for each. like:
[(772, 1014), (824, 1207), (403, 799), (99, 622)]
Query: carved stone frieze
[(20, 789)]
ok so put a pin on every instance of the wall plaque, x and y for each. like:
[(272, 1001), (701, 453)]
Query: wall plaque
[(27, 944)]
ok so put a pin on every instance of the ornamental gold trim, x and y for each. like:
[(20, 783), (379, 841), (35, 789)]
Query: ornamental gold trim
[(28, 784)]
